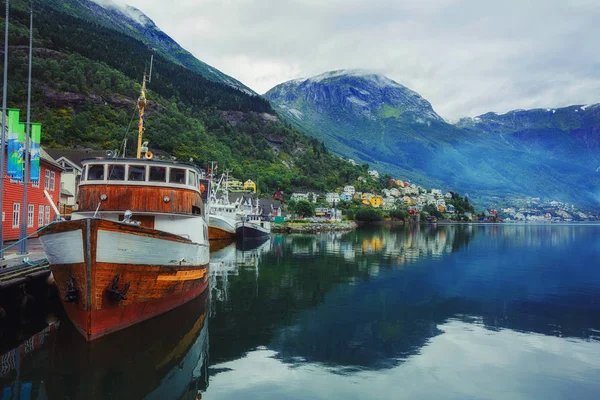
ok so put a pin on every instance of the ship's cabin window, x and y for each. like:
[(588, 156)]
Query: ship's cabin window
[(158, 174), (192, 179), (95, 172), (83, 173), (116, 172), (137, 173), (177, 175)]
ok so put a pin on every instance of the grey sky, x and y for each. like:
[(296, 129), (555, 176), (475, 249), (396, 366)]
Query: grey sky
[(466, 57)]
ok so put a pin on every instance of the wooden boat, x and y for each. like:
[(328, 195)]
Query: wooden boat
[(136, 247), (162, 358)]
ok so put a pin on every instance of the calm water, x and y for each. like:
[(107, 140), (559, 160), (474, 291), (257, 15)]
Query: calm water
[(459, 312)]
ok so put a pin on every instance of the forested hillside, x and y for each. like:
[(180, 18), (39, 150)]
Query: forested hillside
[(86, 79)]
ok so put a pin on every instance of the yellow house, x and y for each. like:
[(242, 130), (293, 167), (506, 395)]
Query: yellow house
[(366, 202), (442, 208), (250, 185), (399, 183), (376, 201)]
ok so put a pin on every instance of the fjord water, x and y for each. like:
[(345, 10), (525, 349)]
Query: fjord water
[(455, 311)]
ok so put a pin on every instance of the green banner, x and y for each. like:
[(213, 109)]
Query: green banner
[(12, 162)]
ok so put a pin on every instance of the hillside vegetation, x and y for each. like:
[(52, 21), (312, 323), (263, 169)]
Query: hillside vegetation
[(86, 79)]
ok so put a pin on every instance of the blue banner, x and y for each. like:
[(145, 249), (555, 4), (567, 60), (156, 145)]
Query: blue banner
[(34, 152)]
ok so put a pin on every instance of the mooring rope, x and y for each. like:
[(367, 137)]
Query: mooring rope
[(27, 237)]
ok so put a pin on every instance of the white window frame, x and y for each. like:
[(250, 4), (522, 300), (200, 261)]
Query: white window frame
[(40, 215), (30, 214), (16, 217), (47, 179), (47, 215), (52, 179), (35, 184)]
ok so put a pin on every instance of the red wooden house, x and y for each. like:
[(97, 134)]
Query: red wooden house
[(38, 211)]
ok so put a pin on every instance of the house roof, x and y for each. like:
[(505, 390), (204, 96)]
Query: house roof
[(75, 155), (48, 159)]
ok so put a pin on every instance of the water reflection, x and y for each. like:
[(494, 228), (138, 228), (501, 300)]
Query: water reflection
[(162, 358), (372, 299)]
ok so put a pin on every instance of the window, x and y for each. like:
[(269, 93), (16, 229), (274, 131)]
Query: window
[(137, 173), (16, 215), (95, 172), (47, 180), (192, 178), (47, 215), (158, 174), (30, 211), (40, 216), (52, 176), (177, 175), (116, 172)]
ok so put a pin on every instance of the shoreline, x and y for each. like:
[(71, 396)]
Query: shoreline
[(314, 227)]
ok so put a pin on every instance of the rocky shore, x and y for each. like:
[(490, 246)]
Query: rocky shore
[(313, 227)]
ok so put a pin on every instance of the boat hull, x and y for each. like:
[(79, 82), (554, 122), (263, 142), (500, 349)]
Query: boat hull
[(251, 230), (220, 228), (112, 275)]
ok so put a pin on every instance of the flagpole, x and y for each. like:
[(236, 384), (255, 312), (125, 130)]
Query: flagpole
[(25, 211), (2, 137)]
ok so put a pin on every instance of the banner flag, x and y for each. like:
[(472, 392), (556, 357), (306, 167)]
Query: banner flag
[(34, 152), (13, 144)]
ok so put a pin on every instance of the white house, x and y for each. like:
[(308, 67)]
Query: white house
[(349, 189), (70, 160), (299, 196), (373, 173), (395, 192), (332, 198)]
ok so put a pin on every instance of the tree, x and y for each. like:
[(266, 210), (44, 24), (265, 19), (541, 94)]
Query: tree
[(305, 209)]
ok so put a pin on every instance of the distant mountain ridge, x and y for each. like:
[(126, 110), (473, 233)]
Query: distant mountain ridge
[(134, 23), (550, 153)]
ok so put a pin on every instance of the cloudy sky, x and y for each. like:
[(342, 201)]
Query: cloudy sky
[(466, 57)]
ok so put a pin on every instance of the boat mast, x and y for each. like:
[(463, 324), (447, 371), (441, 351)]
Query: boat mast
[(142, 107)]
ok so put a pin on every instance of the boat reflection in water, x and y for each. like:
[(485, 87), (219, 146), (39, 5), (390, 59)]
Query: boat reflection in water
[(227, 261), (162, 358)]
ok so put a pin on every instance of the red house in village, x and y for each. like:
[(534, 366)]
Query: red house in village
[(38, 211)]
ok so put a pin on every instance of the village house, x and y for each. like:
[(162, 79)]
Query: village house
[(332, 198), (345, 196), (389, 203), (70, 160), (450, 209), (349, 189), (250, 185), (376, 201), (299, 196), (373, 173), (38, 211), (436, 193), (395, 192)]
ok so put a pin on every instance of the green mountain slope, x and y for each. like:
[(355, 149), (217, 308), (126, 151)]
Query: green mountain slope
[(132, 22), (370, 118), (85, 80)]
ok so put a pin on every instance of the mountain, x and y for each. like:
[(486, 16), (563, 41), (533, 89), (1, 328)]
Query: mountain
[(570, 132), (132, 22), (86, 80), (370, 118)]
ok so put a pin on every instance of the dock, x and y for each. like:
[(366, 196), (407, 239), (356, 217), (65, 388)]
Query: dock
[(20, 268)]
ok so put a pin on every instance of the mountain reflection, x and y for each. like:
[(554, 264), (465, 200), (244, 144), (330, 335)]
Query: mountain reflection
[(369, 299)]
